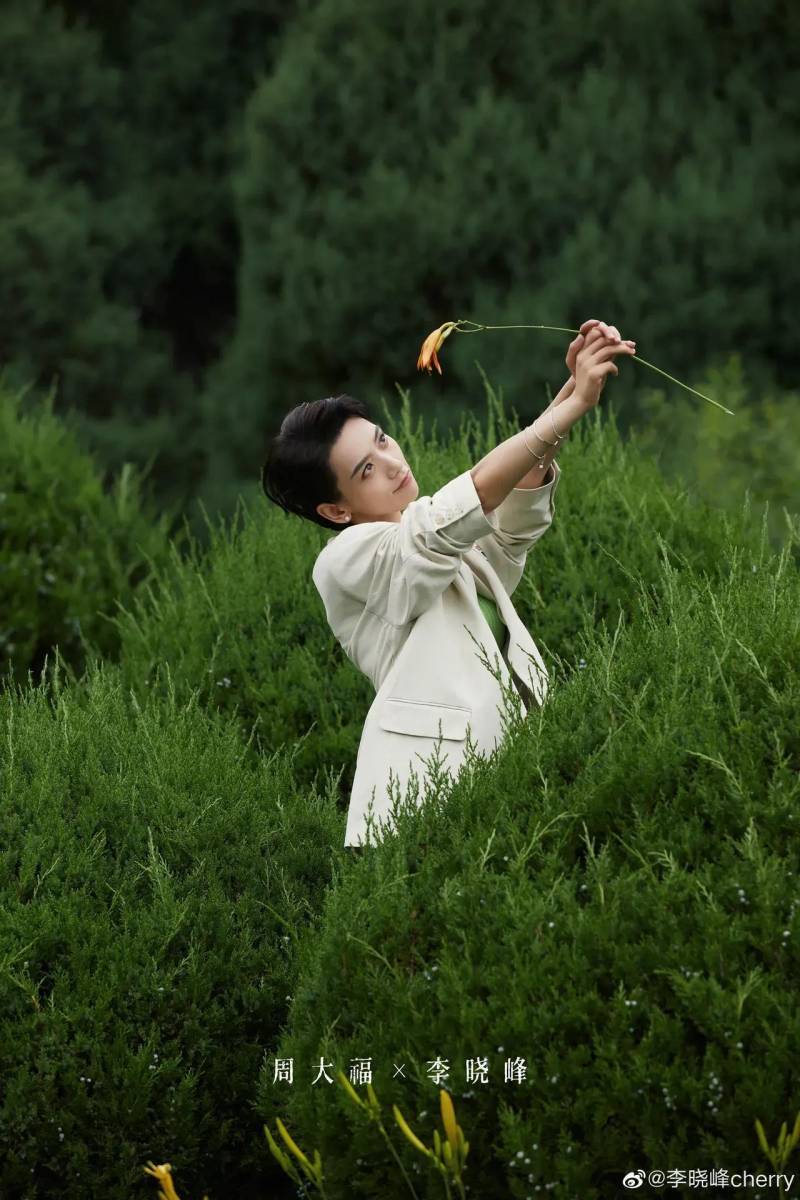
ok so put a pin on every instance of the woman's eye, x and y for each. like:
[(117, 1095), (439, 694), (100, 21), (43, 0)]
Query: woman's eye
[(364, 475)]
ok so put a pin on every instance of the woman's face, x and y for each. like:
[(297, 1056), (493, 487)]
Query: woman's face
[(370, 469)]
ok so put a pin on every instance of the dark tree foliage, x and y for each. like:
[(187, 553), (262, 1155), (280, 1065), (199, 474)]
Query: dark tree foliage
[(515, 164), (119, 244), (212, 212)]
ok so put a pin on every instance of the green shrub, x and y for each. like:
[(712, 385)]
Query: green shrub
[(718, 459), (68, 550), (612, 899), (160, 830), (152, 888)]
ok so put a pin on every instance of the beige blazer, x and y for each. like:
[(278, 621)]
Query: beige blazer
[(401, 600)]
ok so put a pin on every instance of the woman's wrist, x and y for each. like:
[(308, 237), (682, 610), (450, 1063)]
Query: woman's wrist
[(523, 460), (551, 425), (567, 390)]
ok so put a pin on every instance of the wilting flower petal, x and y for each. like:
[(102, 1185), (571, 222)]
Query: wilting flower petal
[(431, 345)]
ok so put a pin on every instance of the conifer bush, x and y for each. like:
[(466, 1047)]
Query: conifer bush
[(69, 551), (612, 899), (609, 897), (153, 885)]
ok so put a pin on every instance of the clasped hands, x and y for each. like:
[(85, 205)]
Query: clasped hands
[(597, 335)]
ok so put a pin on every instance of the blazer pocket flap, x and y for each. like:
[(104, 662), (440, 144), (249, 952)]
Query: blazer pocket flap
[(422, 718)]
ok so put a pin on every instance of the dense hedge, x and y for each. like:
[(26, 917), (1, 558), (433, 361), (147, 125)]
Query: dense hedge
[(613, 900), (153, 886), (173, 821), (70, 551)]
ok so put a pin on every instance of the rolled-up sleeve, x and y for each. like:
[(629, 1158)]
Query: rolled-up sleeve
[(522, 518), (397, 569)]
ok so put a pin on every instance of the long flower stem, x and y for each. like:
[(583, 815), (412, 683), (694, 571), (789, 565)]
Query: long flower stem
[(397, 1159), (478, 328), (560, 329)]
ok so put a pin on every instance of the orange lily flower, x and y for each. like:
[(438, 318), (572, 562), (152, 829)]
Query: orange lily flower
[(432, 343)]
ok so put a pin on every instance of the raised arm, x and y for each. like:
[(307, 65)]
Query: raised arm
[(505, 466)]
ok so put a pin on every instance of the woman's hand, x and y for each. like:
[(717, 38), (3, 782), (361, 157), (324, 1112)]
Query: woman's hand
[(610, 331), (594, 362)]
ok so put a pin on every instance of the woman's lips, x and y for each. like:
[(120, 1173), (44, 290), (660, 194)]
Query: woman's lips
[(406, 478)]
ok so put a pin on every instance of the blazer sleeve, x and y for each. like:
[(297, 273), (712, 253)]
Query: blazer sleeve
[(522, 518), (397, 569)]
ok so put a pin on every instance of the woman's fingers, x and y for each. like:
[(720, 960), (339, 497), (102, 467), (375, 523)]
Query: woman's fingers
[(587, 325), (602, 326), (574, 348), (609, 331), (604, 348), (594, 338)]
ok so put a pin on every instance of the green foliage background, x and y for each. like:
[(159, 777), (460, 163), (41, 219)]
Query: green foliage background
[(212, 213)]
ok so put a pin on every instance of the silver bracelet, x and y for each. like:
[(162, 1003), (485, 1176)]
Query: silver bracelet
[(559, 438)]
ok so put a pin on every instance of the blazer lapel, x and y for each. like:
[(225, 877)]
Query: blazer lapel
[(487, 582), (520, 643)]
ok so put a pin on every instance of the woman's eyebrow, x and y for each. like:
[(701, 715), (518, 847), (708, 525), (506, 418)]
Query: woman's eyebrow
[(358, 466)]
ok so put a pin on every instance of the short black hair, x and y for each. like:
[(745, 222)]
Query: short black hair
[(297, 473)]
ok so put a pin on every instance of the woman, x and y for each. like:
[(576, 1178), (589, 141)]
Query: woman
[(417, 589)]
